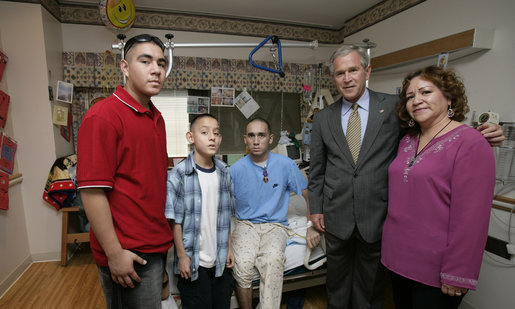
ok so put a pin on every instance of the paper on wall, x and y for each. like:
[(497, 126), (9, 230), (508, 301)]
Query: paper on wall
[(246, 104)]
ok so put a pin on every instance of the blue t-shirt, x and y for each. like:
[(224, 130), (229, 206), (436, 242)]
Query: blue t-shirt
[(265, 202)]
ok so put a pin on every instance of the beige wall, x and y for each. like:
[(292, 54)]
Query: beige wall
[(487, 75), (38, 233), (14, 242), (54, 57), (489, 78)]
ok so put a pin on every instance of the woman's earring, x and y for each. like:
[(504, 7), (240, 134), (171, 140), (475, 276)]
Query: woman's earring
[(411, 123), (450, 112)]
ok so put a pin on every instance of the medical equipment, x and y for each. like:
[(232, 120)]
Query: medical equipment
[(170, 45), (505, 157), (488, 117), (275, 40), (290, 150)]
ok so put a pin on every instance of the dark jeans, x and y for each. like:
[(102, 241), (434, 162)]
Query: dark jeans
[(408, 294), (145, 294), (207, 291)]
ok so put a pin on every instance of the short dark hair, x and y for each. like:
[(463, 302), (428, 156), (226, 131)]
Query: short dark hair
[(261, 120), (449, 84), (200, 117), (142, 38)]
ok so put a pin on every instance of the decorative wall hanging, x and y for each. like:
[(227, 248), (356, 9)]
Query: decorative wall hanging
[(117, 15), (3, 63), (4, 107), (8, 150)]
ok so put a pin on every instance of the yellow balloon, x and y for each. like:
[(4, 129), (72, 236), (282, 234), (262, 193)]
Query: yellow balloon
[(117, 14)]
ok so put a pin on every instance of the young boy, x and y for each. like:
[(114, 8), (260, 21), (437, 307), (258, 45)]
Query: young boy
[(199, 205)]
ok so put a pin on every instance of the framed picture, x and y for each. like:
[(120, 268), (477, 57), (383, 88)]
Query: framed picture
[(60, 115), (64, 91), (198, 105), (443, 58), (221, 96)]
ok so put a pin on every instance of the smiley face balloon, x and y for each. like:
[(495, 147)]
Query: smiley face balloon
[(117, 15)]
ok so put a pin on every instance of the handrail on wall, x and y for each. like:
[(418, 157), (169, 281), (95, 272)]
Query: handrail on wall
[(504, 199)]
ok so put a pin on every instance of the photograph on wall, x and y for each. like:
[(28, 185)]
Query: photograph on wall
[(64, 91), (246, 104), (198, 105), (443, 58), (4, 107), (7, 152), (60, 115), (221, 96)]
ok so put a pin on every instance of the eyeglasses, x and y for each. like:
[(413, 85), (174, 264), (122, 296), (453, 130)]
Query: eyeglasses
[(265, 175), (142, 38)]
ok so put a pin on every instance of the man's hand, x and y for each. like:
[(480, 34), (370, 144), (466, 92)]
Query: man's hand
[(312, 237), (229, 263), (121, 265), (318, 222), (184, 267), (452, 290), (493, 134)]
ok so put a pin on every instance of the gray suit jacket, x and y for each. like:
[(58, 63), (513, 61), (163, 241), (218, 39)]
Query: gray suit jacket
[(351, 194)]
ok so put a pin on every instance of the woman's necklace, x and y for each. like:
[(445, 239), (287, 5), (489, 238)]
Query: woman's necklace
[(417, 153)]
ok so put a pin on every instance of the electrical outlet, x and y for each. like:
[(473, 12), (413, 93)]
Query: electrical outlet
[(498, 247)]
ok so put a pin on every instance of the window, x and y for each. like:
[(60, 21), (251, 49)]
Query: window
[(282, 110), (173, 106)]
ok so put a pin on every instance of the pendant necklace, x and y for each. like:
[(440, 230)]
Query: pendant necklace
[(417, 153)]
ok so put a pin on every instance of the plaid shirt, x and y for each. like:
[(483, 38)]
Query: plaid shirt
[(184, 204)]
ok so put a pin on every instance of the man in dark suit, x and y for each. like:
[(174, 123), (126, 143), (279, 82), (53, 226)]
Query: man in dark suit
[(348, 182), (348, 199)]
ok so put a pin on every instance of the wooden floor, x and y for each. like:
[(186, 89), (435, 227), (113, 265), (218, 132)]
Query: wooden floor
[(49, 285)]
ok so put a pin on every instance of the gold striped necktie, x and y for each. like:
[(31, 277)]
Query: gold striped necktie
[(354, 132)]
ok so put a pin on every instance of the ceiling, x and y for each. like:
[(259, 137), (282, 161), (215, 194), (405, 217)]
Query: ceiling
[(326, 14)]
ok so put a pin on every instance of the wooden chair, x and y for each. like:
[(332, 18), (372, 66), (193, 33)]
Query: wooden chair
[(70, 238)]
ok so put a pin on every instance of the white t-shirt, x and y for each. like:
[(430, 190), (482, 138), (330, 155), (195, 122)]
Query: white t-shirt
[(208, 180)]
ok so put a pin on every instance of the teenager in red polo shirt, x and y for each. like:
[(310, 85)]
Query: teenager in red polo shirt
[(121, 174)]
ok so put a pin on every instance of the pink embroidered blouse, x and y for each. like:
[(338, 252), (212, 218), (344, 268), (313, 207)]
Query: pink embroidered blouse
[(439, 209)]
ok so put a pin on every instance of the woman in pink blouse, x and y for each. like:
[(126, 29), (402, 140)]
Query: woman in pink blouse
[(440, 192)]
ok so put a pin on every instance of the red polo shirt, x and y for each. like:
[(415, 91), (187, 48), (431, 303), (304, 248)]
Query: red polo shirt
[(121, 146)]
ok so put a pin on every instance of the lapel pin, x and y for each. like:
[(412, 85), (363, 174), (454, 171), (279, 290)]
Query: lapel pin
[(381, 111)]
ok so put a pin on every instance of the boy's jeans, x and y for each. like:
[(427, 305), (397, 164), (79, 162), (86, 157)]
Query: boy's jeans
[(145, 294)]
